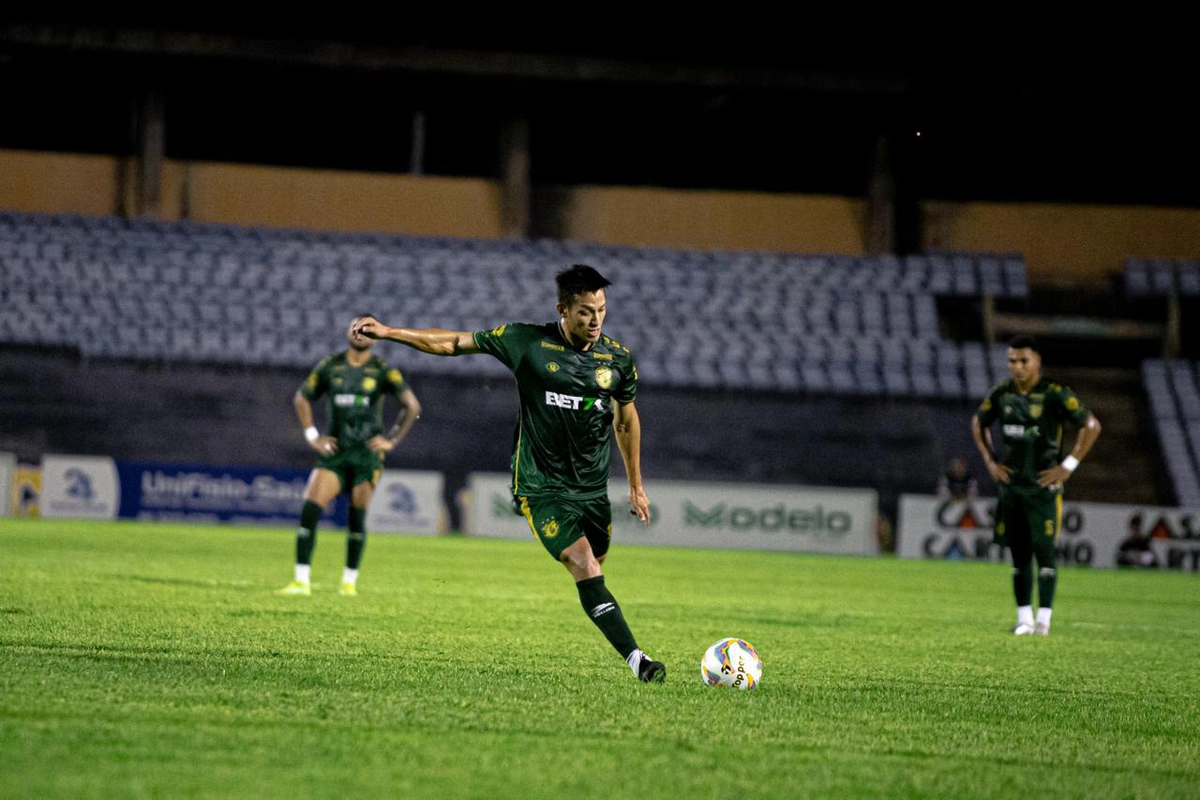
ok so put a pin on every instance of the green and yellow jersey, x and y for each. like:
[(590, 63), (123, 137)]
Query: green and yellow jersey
[(355, 396), (563, 439), (1031, 425)]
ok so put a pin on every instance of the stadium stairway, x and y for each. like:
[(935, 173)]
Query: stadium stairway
[(1125, 465)]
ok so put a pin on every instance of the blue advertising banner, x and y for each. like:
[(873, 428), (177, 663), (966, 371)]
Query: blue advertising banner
[(240, 495)]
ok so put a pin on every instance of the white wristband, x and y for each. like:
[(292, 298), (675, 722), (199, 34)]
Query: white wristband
[(1069, 463), (311, 433)]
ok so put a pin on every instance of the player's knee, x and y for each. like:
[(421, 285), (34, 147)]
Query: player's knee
[(580, 562)]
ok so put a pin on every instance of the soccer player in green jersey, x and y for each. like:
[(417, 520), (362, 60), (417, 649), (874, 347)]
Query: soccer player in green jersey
[(350, 456), (576, 388), (1031, 411)]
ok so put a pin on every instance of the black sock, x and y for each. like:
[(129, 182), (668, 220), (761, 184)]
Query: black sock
[(603, 610), (1023, 585), (1047, 581), (356, 537), (306, 536)]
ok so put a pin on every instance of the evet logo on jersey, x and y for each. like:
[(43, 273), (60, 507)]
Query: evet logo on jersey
[(350, 400), (573, 402), (1014, 431)]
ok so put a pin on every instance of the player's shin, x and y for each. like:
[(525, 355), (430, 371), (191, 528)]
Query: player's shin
[(603, 610), (306, 537), (356, 542)]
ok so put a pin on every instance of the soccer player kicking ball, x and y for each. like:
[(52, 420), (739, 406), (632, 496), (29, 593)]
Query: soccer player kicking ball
[(351, 459), (1031, 411), (576, 387)]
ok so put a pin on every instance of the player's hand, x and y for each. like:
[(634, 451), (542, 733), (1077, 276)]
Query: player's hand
[(639, 504), (1000, 473), (1055, 476), (325, 445), (370, 328), (380, 444)]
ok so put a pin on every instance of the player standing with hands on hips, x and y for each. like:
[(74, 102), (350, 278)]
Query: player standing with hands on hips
[(576, 389), (1030, 474), (350, 456)]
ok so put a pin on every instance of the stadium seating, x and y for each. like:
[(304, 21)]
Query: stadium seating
[(1173, 393), (201, 292), (1159, 277)]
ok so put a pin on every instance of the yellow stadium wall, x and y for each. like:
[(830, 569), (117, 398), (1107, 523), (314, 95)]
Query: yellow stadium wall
[(716, 220), (56, 183), (343, 201), (1065, 244), (1062, 244)]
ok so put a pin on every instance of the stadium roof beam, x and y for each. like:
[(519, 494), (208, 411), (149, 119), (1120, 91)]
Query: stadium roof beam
[(448, 61)]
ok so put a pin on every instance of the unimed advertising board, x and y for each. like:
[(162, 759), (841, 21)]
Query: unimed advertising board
[(686, 514), (97, 487)]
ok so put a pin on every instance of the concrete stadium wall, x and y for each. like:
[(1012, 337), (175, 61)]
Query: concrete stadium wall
[(1062, 244)]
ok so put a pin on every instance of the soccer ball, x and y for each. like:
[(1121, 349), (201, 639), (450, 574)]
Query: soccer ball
[(731, 662)]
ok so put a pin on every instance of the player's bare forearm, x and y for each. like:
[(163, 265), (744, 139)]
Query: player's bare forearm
[(304, 412), (434, 341), (410, 411), (983, 441), (1059, 473), (628, 428)]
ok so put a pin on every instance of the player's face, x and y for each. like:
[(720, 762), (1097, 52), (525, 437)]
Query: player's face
[(357, 341), (584, 318), (1024, 365)]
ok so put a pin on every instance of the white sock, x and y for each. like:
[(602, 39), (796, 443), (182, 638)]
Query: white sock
[(302, 572), (1044, 616), (349, 575), (1025, 615), (635, 660)]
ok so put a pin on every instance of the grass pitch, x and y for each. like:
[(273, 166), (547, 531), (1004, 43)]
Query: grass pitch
[(141, 660)]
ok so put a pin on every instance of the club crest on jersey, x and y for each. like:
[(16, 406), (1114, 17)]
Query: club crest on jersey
[(369, 384), (604, 377), (1035, 411), (552, 366), (1072, 403)]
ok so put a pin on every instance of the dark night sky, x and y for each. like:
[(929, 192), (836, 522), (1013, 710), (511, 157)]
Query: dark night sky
[(1105, 126)]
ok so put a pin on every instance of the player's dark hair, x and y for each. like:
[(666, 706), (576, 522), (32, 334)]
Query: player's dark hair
[(1025, 341), (580, 278)]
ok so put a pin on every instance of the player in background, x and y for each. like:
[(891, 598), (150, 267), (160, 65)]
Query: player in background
[(1031, 411), (576, 389), (350, 455)]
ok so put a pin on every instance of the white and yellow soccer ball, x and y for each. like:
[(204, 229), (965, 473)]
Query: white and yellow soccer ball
[(733, 663)]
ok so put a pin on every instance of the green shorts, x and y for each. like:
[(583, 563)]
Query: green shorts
[(1028, 513), (558, 522), (354, 465)]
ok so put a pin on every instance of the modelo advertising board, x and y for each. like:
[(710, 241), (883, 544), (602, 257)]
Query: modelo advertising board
[(689, 514)]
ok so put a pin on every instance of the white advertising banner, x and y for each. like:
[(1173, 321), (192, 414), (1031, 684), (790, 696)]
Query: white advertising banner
[(1092, 533), (686, 514), (408, 501), (8, 473), (85, 487)]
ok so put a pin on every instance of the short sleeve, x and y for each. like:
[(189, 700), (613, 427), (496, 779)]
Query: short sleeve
[(626, 390), (986, 413), (315, 384), (1072, 408), (395, 380), (506, 343)]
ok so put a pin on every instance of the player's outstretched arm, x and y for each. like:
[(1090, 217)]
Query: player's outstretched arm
[(434, 341)]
